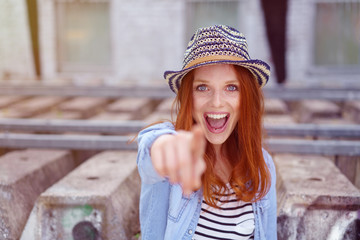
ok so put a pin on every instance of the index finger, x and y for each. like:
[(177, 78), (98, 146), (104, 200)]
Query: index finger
[(198, 142)]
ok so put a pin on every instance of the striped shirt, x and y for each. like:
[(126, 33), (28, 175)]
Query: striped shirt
[(234, 220)]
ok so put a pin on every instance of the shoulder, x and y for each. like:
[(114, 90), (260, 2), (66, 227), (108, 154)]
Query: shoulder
[(164, 126), (271, 166), (158, 126), (268, 160), (150, 133)]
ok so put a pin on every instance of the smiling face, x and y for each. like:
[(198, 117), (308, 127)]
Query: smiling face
[(216, 99)]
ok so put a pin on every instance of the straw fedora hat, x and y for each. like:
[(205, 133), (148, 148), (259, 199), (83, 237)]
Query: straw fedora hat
[(218, 44)]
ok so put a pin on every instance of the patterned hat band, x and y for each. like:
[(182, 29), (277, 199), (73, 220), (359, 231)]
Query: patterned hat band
[(212, 59), (218, 44)]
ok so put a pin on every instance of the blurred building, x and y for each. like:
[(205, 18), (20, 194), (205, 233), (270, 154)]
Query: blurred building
[(115, 42), (16, 56), (323, 42), (135, 41)]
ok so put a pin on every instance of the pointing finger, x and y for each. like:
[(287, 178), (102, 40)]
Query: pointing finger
[(198, 142)]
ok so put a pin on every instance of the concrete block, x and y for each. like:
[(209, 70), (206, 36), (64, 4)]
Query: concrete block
[(315, 201), (307, 110), (352, 111), (85, 106), (158, 116), (278, 119), (138, 107), (112, 116), (165, 106), (32, 107), (6, 101), (275, 106), (100, 197), (350, 167), (24, 175), (57, 114), (332, 121)]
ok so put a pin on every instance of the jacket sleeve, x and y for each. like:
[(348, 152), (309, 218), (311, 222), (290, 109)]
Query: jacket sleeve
[(271, 231), (146, 138)]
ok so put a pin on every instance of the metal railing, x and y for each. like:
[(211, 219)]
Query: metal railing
[(161, 92)]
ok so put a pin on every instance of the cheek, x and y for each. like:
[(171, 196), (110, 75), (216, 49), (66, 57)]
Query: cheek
[(197, 115), (196, 106)]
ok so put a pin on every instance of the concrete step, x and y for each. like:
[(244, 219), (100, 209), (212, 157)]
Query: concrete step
[(32, 107), (138, 107), (158, 116), (352, 111), (278, 119), (6, 101), (86, 107), (350, 167), (165, 106), (112, 116), (306, 111), (57, 114), (315, 200), (101, 196), (24, 175), (275, 106)]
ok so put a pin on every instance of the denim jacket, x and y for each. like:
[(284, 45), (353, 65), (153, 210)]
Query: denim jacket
[(166, 214)]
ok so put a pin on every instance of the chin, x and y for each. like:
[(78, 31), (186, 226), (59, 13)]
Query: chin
[(216, 140)]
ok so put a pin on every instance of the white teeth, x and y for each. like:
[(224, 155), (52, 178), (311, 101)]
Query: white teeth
[(216, 116)]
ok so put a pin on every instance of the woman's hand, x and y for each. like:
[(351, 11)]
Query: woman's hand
[(180, 158)]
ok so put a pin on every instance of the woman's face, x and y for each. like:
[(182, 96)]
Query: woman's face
[(216, 101)]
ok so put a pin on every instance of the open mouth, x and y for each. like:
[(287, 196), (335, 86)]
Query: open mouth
[(216, 122)]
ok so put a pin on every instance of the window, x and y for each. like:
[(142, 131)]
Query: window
[(202, 13), (337, 35), (83, 36)]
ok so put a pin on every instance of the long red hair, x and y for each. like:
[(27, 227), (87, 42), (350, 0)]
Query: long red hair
[(250, 177)]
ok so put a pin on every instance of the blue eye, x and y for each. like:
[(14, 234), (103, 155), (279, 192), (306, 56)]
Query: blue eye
[(201, 88), (232, 88)]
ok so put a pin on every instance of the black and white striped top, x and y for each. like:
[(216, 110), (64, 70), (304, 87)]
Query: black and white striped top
[(234, 220)]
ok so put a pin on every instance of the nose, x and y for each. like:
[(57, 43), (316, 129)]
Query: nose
[(216, 99)]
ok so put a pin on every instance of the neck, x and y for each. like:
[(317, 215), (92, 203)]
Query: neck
[(222, 166)]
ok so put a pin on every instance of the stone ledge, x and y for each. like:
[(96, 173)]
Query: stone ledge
[(315, 201), (102, 195), (24, 175)]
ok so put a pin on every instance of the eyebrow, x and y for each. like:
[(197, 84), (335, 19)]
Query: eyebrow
[(206, 81), (200, 81)]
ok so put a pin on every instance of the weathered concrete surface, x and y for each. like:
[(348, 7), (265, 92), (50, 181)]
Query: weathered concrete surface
[(112, 116), (278, 119), (352, 111), (57, 114), (138, 107), (32, 107), (275, 106), (165, 106), (85, 106), (350, 167), (6, 101), (101, 196), (163, 112), (315, 201), (332, 121), (23, 176), (159, 116), (307, 110)]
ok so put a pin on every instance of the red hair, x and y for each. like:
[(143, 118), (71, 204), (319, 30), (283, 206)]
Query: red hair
[(250, 177)]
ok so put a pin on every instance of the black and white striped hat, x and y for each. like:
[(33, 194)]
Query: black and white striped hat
[(214, 45)]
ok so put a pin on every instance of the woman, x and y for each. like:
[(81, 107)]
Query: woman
[(206, 176)]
